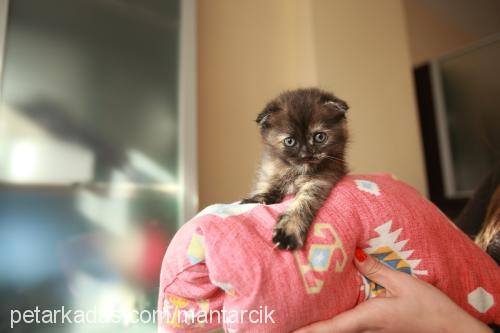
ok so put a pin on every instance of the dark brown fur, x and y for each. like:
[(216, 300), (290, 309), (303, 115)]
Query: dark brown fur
[(489, 236), (309, 169)]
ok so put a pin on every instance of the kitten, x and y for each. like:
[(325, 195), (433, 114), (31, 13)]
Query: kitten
[(304, 134)]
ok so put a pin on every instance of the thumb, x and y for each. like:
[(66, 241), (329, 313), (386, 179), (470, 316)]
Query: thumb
[(364, 317), (377, 272)]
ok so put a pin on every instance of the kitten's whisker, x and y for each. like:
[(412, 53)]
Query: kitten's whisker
[(334, 158)]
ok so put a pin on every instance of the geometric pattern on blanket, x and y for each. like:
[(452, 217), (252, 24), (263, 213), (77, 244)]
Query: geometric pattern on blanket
[(390, 251)]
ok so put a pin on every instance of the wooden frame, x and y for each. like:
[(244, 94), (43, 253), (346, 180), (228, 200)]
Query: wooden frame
[(432, 145)]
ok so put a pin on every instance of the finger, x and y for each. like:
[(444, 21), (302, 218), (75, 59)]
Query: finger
[(378, 272), (363, 317)]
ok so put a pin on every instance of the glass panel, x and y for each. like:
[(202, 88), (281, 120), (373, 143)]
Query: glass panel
[(471, 82), (88, 158)]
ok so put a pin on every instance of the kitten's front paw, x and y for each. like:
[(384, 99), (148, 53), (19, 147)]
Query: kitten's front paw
[(289, 233), (254, 199)]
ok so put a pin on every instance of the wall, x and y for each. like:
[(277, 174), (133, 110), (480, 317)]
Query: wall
[(431, 35), (248, 51)]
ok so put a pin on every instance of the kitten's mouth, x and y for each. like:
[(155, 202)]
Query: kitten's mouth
[(311, 160)]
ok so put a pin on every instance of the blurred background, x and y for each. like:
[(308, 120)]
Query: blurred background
[(120, 119)]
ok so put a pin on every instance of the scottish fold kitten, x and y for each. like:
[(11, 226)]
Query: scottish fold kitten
[(304, 134)]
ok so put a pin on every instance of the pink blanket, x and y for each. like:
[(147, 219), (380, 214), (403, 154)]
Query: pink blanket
[(221, 269)]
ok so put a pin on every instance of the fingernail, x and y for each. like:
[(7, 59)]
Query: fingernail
[(360, 255)]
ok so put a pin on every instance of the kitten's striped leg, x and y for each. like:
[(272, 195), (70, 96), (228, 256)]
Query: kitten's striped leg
[(266, 198), (291, 230)]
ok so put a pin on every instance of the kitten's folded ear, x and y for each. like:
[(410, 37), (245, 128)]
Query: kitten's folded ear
[(331, 100), (263, 117), (338, 104)]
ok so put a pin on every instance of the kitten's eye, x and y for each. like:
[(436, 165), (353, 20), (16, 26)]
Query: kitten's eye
[(320, 137), (289, 142)]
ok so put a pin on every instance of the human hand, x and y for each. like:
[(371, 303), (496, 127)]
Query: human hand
[(409, 305)]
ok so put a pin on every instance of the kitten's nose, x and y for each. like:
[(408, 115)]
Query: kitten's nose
[(305, 154)]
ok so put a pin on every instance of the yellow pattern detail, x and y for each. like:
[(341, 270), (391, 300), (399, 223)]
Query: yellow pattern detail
[(179, 304), (196, 251), (321, 230)]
